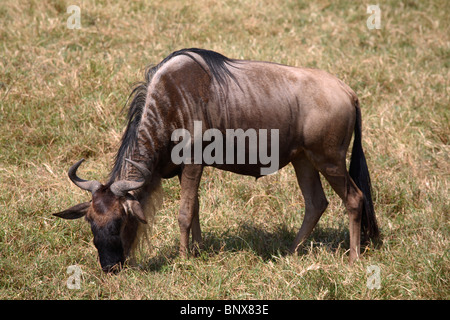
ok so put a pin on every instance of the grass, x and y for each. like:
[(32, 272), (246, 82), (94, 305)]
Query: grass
[(61, 95)]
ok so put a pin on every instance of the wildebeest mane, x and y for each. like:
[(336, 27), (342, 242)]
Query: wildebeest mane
[(218, 68)]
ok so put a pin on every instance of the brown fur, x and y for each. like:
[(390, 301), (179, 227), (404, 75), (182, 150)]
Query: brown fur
[(105, 207)]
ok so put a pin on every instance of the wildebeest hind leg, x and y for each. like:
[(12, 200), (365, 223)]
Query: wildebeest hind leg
[(337, 175), (315, 201)]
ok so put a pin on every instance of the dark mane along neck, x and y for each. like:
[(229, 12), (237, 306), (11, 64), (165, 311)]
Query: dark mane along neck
[(129, 141), (217, 66)]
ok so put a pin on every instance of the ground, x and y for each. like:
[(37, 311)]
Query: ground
[(62, 92)]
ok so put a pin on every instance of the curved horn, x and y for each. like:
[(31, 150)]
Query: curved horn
[(91, 185), (120, 188)]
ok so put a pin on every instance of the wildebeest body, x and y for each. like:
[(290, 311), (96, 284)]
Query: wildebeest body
[(313, 113)]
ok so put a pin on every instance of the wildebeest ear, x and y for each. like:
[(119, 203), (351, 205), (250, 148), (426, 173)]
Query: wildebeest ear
[(132, 206), (74, 212)]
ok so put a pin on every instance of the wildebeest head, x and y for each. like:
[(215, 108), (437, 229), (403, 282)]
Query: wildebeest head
[(114, 215)]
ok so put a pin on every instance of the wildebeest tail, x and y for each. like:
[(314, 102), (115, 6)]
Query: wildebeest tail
[(359, 172)]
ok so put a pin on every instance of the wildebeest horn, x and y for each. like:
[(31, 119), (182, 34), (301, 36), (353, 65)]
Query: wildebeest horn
[(120, 188), (91, 185)]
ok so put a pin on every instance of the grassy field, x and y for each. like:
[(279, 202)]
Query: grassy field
[(61, 95)]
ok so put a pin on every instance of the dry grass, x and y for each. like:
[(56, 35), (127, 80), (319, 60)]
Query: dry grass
[(61, 93)]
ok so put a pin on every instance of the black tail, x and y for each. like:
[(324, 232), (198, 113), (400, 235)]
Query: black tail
[(360, 175)]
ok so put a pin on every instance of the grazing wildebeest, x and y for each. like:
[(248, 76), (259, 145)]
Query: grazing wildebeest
[(313, 113)]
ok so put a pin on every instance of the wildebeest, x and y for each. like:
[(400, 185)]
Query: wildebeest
[(313, 113)]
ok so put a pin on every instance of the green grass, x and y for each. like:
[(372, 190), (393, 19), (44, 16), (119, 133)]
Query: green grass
[(61, 96)]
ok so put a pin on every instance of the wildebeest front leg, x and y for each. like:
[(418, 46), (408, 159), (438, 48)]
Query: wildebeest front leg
[(197, 240), (188, 217)]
